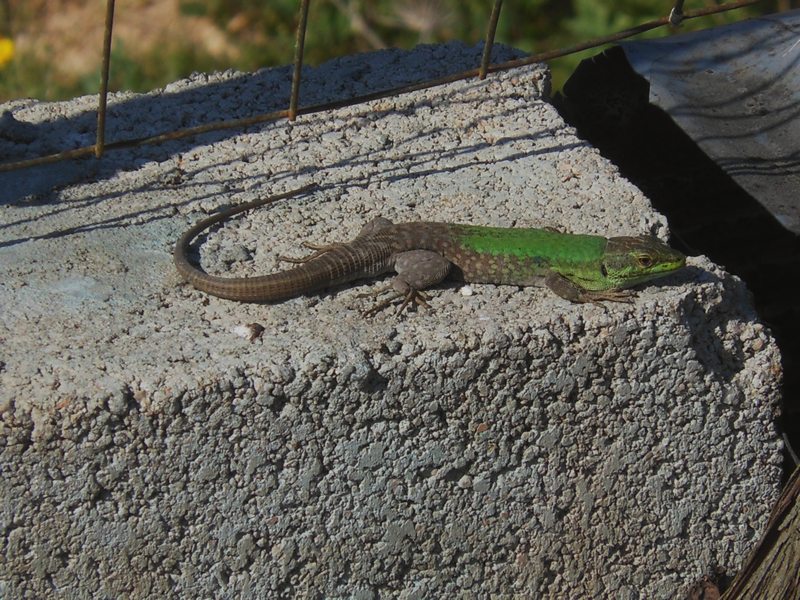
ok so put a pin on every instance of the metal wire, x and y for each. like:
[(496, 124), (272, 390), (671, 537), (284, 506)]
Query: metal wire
[(299, 46), (281, 114), (101, 105), (489, 44)]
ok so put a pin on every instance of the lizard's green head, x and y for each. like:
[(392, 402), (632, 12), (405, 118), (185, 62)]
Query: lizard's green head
[(631, 260)]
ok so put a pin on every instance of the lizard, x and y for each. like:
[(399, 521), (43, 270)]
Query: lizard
[(577, 267)]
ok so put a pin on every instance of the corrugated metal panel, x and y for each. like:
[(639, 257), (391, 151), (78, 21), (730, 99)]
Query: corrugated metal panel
[(735, 90)]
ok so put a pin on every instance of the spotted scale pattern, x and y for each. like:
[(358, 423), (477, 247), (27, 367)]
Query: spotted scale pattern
[(475, 254)]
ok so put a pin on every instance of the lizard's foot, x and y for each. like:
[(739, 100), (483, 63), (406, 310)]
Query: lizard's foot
[(418, 297)]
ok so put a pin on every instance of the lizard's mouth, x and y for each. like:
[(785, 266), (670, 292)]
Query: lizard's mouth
[(661, 268)]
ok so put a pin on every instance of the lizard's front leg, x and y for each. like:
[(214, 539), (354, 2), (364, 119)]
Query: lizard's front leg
[(575, 293)]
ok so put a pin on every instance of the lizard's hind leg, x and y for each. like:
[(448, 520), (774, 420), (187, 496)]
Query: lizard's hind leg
[(319, 250), (375, 225), (416, 270)]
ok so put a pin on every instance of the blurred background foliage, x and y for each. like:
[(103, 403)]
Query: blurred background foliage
[(51, 49)]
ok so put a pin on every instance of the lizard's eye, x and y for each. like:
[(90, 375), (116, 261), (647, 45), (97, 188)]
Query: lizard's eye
[(645, 261)]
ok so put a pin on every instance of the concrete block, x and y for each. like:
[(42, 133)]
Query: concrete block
[(505, 442)]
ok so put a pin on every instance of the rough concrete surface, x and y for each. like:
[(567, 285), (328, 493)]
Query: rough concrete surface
[(506, 442)]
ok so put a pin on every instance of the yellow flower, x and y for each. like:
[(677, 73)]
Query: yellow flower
[(6, 51)]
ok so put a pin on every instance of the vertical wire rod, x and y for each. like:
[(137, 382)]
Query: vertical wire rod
[(676, 14), (490, 31), (299, 45), (103, 96)]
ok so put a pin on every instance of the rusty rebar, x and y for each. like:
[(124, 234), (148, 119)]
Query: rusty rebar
[(489, 43), (102, 100), (299, 47)]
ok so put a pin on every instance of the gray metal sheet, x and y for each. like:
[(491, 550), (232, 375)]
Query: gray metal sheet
[(735, 90)]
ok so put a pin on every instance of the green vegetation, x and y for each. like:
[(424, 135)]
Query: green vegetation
[(262, 34)]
